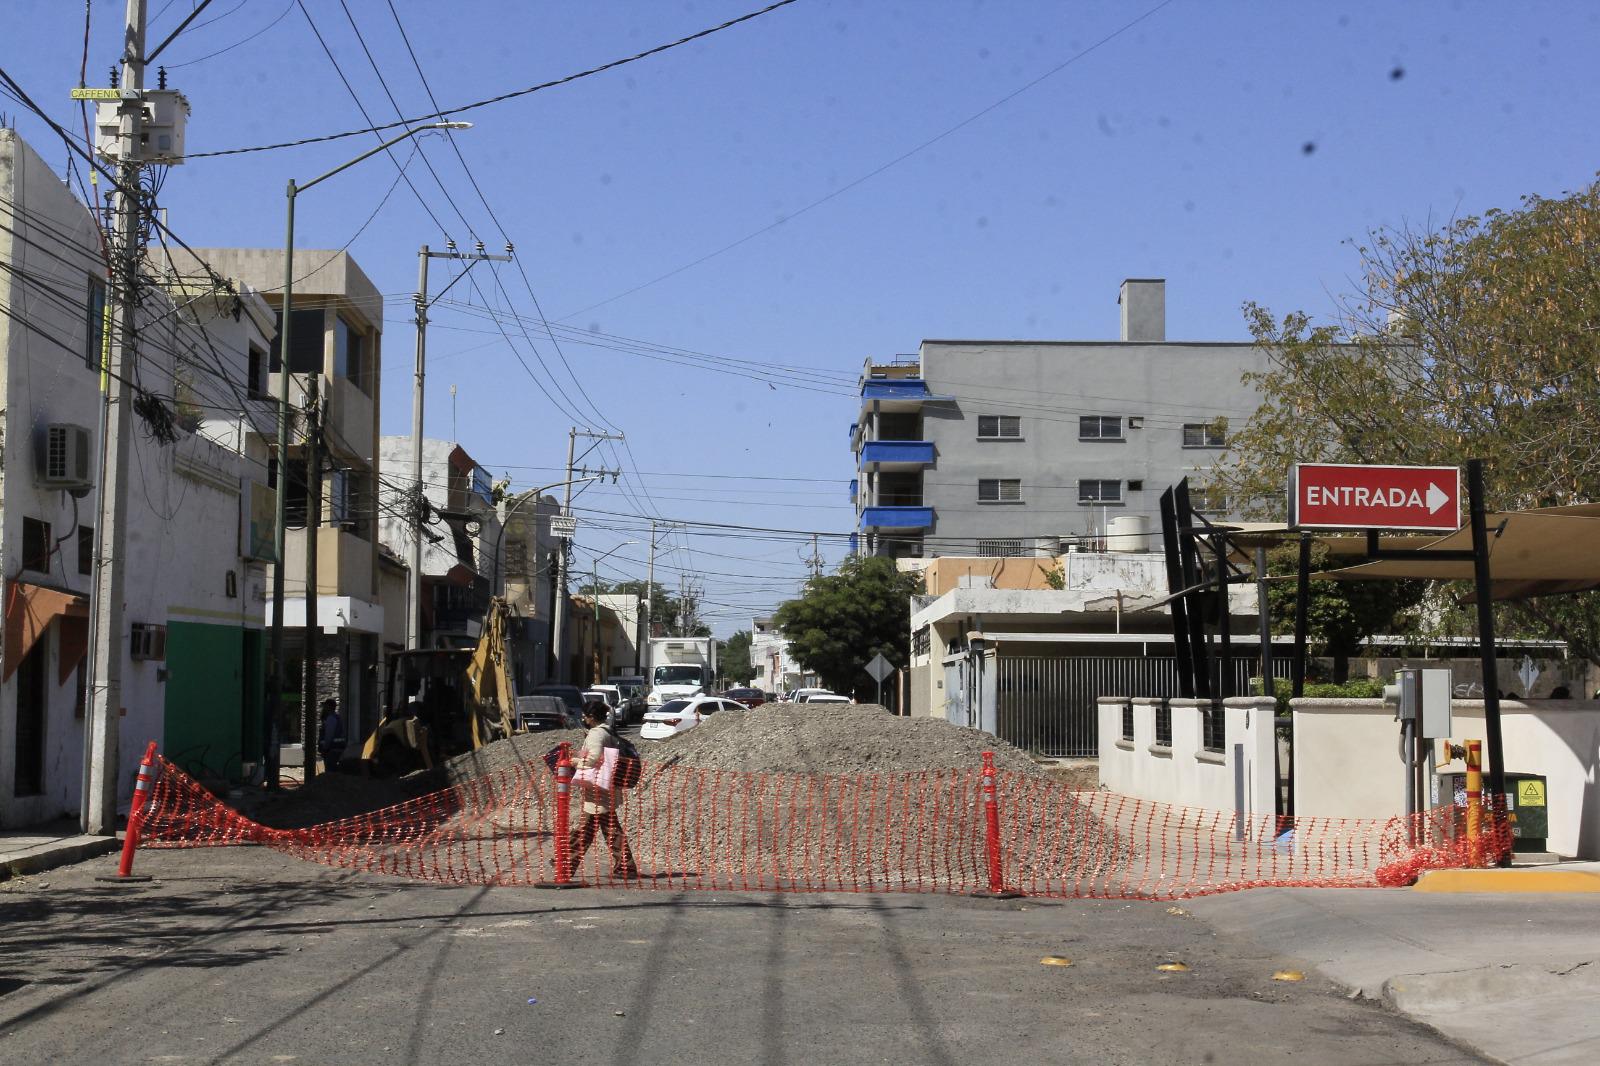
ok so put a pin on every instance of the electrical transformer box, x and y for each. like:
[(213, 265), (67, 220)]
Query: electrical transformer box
[(166, 113)]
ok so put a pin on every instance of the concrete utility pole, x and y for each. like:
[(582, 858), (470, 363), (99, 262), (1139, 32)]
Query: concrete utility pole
[(647, 607), (414, 597), (99, 813), (564, 557), (310, 726)]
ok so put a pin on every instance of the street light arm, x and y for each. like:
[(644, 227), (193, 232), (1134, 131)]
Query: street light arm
[(385, 146)]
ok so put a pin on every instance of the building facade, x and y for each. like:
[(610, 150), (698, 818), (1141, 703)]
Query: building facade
[(1013, 448), (194, 565), (336, 356), (775, 668)]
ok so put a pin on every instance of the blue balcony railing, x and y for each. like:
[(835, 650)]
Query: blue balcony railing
[(855, 486), (896, 518), (896, 453)]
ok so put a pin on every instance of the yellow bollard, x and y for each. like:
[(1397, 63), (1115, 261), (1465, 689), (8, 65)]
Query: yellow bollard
[(1475, 802)]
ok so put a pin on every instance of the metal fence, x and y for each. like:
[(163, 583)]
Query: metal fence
[(1047, 705)]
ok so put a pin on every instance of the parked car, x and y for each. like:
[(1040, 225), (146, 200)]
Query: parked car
[(826, 697), (750, 697), (675, 716), (571, 695), (540, 713), (799, 695), (633, 692)]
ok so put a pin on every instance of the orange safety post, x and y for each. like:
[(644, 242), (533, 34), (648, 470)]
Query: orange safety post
[(991, 836), (142, 786), (563, 822), (1474, 802)]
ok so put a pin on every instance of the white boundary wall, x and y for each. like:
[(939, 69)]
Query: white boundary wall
[(1184, 772), (1347, 760)]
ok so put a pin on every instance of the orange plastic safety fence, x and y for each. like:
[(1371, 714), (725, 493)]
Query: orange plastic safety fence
[(687, 828)]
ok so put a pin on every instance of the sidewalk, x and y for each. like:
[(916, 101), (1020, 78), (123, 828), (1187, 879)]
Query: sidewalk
[(1516, 976), (29, 851)]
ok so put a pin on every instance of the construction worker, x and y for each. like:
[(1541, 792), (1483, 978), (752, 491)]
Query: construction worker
[(331, 741)]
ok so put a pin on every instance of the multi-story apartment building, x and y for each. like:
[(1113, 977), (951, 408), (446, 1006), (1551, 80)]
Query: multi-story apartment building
[(1010, 447), (527, 578), (459, 535), (336, 343), (195, 550)]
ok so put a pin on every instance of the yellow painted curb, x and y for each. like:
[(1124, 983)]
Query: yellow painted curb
[(1508, 881)]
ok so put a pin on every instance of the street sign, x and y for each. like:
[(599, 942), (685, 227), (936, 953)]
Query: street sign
[(563, 526), (1424, 499), (1528, 674), (103, 94), (879, 668)]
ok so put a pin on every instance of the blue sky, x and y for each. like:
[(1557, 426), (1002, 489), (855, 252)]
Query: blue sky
[(1229, 147)]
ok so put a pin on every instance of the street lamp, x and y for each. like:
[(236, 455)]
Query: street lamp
[(275, 691), (494, 583), (594, 593)]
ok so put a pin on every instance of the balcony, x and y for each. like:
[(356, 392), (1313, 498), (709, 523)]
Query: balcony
[(344, 564), (896, 454), (855, 488), (901, 518), (897, 394)]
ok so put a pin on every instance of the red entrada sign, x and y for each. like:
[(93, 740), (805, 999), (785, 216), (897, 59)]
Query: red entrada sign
[(1329, 496)]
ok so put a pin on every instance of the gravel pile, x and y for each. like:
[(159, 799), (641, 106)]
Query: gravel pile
[(833, 738), (507, 754)]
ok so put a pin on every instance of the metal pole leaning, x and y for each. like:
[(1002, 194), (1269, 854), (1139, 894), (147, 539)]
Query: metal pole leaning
[(142, 787), (991, 837), (563, 822)]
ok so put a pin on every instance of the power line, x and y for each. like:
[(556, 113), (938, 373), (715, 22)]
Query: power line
[(462, 109)]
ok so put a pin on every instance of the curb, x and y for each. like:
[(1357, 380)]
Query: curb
[(1508, 881), (48, 857)]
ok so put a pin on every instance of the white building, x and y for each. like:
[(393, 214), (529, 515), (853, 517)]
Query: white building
[(192, 646), (775, 668)]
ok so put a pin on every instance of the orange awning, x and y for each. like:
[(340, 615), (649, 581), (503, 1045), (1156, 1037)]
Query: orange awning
[(29, 611)]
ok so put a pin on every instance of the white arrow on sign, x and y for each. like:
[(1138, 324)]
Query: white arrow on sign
[(1437, 498)]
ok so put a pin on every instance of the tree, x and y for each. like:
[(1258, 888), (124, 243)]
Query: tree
[(843, 619), (734, 655), (1341, 616), (1472, 340)]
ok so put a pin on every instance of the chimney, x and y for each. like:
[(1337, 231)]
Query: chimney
[(1144, 309)]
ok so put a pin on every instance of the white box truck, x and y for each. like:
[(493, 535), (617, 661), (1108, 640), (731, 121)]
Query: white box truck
[(680, 667)]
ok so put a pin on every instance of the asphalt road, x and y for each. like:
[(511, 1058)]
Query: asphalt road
[(244, 955)]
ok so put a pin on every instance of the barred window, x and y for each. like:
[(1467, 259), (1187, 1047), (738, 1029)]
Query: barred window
[(1100, 427), (1127, 721), (1164, 724), (999, 490), (999, 427), (1001, 549), (921, 641), (1203, 435), (95, 321), (1097, 490), (1214, 728)]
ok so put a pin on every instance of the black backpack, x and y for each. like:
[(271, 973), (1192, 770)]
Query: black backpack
[(629, 765)]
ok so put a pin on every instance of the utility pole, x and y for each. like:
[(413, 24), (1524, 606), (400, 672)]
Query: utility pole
[(422, 303), (564, 557), (815, 562), (309, 724), (99, 814), (648, 606)]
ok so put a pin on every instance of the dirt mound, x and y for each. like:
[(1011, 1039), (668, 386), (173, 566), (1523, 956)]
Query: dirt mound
[(526, 748), (833, 738)]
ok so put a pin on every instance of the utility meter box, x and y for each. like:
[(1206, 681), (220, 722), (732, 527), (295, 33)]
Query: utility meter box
[(1525, 803), (166, 114), (1438, 688)]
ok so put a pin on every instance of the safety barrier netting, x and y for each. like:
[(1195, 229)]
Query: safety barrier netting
[(691, 828)]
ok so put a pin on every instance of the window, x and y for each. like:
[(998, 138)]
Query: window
[(999, 490), (921, 641), (1163, 725), (294, 500), (1127, 721), (85, 549), (1208, 500), (1214, 728), (1001, 549), (95, 323), (349, 353), (305, 341), (999, 427), (1096, 490), (1204, 435), (1100, 427), (36, 545), (255, 374)]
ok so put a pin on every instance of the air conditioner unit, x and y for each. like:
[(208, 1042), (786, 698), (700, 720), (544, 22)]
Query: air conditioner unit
[(63, 461), (1135, 421), (148, 642)]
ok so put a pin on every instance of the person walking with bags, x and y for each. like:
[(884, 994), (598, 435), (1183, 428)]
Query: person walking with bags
[(599, 803)]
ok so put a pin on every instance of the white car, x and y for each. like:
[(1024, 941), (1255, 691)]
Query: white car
[(825, 697), (610, 695), (675, 716), (800, 695)]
